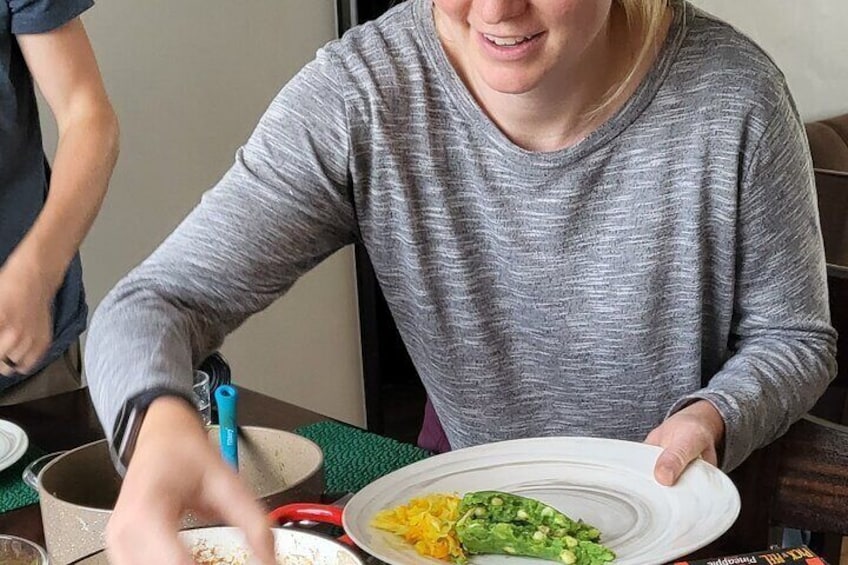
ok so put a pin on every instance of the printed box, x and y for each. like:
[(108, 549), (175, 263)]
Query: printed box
[(801, 555)]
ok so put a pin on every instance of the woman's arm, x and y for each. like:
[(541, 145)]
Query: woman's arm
[(783, 346), (283, 207)]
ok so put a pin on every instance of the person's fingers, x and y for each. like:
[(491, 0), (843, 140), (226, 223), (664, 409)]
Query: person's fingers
[(675, 458), (26, 353), (710, 455), (157, 541), (8, 343), (670, 466), (655, 437), (129, 544), (165, 478), (7, 367), (227, 496), (28, 361)]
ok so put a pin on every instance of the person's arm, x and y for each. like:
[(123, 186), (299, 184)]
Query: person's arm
[(63, 65), (282, 208), (782, 342)]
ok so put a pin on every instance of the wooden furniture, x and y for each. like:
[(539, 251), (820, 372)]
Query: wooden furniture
[(833, 405), (829, 143), (801, 482), (832, 192)]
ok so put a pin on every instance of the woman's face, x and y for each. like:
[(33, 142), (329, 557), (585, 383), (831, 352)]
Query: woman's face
[(514, 45)]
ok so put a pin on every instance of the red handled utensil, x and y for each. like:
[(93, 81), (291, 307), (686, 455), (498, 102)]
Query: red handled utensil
[(323, 513)]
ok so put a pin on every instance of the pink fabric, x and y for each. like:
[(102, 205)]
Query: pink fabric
[(432, 437)]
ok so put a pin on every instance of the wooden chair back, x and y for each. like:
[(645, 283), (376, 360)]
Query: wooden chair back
[(800, 481)]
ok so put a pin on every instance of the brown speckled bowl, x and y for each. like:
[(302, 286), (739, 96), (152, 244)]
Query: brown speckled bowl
[(78, 490)]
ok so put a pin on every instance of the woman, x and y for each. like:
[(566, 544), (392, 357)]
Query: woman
[(588, 217)]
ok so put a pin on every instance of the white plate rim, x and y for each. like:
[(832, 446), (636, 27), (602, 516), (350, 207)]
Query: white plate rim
[(361, 498), (18, 448)]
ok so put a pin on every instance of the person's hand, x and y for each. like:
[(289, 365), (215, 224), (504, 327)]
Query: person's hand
[(175, 469), (693, 432), (26, 317)]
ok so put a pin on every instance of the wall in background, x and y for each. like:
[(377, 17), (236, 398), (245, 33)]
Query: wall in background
[(808, 41), (189, 80)]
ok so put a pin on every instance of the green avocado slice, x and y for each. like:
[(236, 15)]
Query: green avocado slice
[(499, 522)]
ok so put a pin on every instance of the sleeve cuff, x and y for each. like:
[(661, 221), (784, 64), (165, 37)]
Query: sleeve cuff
[(127, 425), (732, 452)]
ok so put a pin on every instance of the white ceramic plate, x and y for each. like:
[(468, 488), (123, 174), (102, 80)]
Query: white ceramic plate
[(13, 443), (607, 483)]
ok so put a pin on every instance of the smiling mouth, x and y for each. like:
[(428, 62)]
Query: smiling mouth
[(509, 41)]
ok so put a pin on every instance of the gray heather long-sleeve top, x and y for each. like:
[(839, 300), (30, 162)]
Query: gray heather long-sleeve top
[(674, 254)]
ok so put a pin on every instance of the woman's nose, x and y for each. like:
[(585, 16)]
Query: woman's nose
[(496, 11)]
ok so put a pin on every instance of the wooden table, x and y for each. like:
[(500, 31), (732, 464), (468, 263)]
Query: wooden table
[(68, 420)]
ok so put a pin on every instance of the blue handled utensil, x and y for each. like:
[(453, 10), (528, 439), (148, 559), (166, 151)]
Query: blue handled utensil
[(226, 398)]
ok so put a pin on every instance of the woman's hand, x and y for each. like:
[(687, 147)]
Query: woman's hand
[(26, 316), (175, 469), (693, 432)]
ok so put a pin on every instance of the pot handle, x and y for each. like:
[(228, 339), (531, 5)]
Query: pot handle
[(323, 513), (33, 470)]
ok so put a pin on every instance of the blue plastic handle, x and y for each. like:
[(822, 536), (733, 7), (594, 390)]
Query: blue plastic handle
[(226, 398)]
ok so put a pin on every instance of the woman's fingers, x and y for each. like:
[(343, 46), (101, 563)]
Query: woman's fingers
[(675, 458), (227, 497), (693, 432), (127, 545)]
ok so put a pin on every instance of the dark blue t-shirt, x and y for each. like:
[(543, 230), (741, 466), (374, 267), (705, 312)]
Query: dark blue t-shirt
[(24, 171)]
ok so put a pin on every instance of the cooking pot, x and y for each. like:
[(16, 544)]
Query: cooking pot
[(226, 545), (78, 489)]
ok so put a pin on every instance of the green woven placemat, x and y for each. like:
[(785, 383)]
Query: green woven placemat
[(14, 493), (353, 457)]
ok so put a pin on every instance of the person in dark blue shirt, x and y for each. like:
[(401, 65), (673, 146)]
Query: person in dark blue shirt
[(44, 213)]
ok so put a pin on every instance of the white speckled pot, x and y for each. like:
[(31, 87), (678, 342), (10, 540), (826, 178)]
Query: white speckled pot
[(78, 490)]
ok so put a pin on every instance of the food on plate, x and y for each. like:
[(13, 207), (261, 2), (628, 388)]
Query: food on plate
[(449, 527), (428, 524), (499, 522)]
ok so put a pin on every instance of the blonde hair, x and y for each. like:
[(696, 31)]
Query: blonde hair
[(646, 16)]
